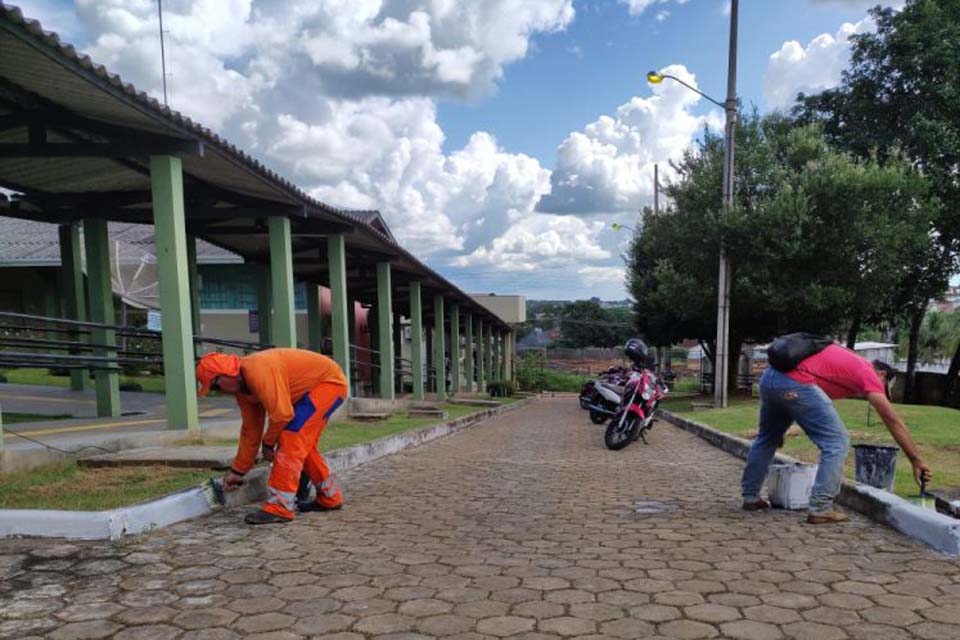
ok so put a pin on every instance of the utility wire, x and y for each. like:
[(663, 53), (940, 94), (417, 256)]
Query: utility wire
[(53, 448)]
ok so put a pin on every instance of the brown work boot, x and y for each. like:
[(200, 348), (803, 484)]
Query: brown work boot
[(756, 505), (826, 517)]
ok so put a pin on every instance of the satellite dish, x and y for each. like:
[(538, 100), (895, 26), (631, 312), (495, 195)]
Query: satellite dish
[(133, 267)]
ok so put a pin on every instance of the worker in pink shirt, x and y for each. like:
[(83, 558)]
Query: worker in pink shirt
[(801, 391)]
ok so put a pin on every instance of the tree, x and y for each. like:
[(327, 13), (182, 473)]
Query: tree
[(901, 94), (817, 238), (586, 324), (939, 335)]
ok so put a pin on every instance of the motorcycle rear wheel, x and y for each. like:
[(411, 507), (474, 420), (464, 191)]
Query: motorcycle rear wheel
[(617, 437)]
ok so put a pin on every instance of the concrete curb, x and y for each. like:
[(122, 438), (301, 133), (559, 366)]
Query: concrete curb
[(934, 529), (192, 503)]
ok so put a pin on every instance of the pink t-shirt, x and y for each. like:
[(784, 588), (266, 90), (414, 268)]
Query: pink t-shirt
[(841, 373)]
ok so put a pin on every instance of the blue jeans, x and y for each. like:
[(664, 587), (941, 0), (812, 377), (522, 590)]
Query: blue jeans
[(782, 402)]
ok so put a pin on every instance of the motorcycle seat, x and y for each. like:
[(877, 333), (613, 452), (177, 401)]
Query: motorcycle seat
[(617, 389)]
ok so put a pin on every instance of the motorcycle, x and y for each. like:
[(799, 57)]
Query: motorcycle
[(601, 397), (636, 410)]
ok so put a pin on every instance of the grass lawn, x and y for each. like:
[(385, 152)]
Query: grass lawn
[(43, 377), (934, 429), (554, 380), (13, 418), (67, 486)]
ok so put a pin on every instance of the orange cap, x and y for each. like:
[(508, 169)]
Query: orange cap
[(213, 365)]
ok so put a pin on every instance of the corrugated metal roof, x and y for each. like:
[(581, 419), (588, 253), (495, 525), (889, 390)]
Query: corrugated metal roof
[(78, 84), (27, 243)]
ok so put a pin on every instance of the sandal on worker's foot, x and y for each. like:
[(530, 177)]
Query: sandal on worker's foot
[(306, 507), (263, 517), (756, 505), (826, 517)]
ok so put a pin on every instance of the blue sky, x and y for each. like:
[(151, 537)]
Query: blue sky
[(500, 139), (600, 60)]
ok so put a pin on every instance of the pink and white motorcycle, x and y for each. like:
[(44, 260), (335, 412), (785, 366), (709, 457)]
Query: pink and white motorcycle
[(641, 397)]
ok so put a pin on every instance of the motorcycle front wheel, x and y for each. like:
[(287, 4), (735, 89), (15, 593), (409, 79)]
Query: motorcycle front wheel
[(617, 435), (596, 417)]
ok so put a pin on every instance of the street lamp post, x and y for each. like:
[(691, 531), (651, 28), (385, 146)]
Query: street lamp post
[(721, 352)]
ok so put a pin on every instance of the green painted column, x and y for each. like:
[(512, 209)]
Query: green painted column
[(416, 339), (385, 330), (170, 238), (428, 353), (194, 284), (97, 246), (481, 371), (487, 353), (397, 353), (468, 353), (439, 349), (455, 348), (281, 282), (73, 291), (508, 356), (339, 329), (314, 317), (264, 305)]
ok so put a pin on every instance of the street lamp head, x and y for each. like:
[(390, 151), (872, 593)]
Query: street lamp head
[(654, 77)]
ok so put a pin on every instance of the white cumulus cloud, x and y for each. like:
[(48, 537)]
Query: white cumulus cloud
[(608, 166)]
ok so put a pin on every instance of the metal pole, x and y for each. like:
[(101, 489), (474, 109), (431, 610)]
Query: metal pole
[(163, 57), (723, 285), (656, 188)]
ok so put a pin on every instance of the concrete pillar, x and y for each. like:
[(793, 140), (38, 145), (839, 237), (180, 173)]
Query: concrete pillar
[(487, 353), (385, 330), (508, 356), (73, 292), (429, 353), (397, 354), (281, 282), (97, 245), (468, 353), (416, 339), (314, 317), (170, 238), (439, 357), (264, 305), (455, 348), (194, 277), (340, 330)]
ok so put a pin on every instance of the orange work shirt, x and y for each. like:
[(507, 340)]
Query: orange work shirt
[(276, 379)]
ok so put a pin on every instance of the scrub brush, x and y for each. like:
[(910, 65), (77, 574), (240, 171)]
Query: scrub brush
[(213, 492)]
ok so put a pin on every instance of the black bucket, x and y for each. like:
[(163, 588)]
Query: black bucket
[(876, 465)]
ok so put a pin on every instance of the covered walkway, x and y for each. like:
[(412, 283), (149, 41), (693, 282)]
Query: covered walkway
[(79, 148)]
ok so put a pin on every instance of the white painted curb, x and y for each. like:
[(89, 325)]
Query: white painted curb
[(934, 529), (191, 503)]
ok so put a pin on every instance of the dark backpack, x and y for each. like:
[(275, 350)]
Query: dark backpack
[(787, 352)]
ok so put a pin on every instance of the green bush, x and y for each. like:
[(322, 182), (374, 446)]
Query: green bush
[(501, 388), (530, 371)]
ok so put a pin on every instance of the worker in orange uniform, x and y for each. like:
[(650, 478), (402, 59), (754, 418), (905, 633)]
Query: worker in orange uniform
[(297, 391)]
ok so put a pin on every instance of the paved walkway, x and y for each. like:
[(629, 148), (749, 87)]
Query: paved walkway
[(524, 527)]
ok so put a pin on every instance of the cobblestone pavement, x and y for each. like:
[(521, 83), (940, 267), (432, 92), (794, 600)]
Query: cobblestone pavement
[(523, 527)]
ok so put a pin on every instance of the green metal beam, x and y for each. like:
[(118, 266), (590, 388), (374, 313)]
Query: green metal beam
[(340, 330), (264, 306), (314, 317), (281, 281), (170, 238), (455, 348), (439, 355), (385, 330), (194, 274), (416, 339), (481, 368), (97, 246), (75, 298), (468, 355)]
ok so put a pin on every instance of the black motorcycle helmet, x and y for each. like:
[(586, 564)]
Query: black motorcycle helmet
[(636, 349)]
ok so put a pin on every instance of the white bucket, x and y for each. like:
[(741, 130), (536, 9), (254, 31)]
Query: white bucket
[(789, 485)]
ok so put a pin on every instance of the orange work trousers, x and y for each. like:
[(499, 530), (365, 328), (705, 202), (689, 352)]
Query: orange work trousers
[(297, 451)]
